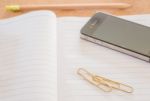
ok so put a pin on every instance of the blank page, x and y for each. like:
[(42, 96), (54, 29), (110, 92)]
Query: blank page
[(28, 68), (74, 52)]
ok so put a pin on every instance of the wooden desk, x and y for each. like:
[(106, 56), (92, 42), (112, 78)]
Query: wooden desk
[(138, 7)]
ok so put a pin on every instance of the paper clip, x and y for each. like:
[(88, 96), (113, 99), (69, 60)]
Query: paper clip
[(105, 84)]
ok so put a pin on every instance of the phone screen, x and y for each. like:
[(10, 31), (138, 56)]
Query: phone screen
[(121, 33)]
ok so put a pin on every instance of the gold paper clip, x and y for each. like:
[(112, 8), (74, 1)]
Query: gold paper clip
[(103, 83)]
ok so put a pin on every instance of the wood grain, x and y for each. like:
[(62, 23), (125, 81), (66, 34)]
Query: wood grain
[(138, 7)]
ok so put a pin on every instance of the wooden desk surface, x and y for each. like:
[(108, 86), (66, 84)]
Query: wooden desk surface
[(138, 7)]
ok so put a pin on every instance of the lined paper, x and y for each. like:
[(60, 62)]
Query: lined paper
[(28, 61), (74, 52), (31, 52)]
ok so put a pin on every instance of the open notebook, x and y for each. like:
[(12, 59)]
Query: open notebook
[(39, 56)]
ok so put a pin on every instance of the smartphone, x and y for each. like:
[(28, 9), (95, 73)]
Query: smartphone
[(118, 34)]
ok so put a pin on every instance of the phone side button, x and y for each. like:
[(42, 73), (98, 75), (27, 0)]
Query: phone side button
[(98, 42), (91, 39), (105, 44)]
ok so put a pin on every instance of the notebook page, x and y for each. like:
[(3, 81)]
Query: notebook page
[(28, 69), (74, 52)]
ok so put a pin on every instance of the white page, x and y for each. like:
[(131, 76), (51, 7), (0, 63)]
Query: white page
[(28, 61), (74, 52)]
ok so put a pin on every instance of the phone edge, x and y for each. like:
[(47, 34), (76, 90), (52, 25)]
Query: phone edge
[(116, 48)]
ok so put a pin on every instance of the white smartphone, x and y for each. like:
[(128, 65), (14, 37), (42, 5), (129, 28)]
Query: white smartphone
[(118, 34)]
